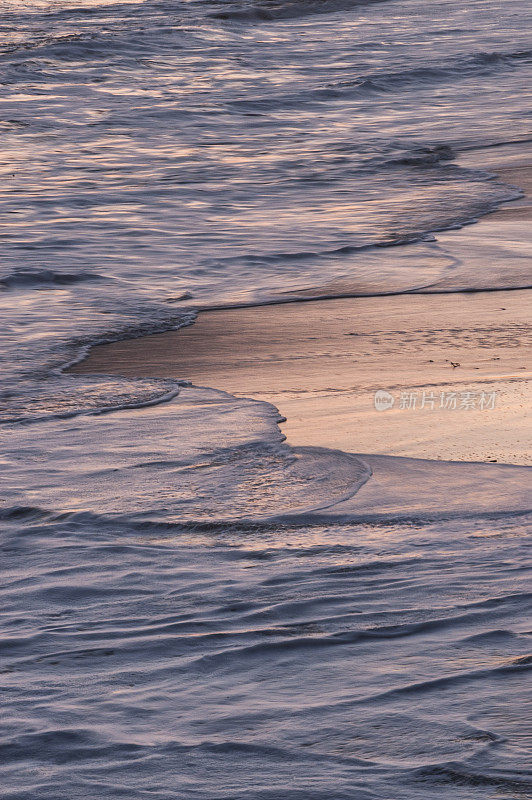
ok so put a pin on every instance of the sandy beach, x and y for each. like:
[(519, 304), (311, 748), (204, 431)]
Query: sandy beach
[(457, 364), (320, 363)]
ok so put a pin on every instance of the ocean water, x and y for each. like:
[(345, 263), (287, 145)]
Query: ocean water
[(192, 608)]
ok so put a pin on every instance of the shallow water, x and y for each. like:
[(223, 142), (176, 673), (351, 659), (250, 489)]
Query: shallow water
[(158, 156), (165, 659), (192, 608)]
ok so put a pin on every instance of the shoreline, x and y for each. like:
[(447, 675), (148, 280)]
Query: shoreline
[(319, 358)]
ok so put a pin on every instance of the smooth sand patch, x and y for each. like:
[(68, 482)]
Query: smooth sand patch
[(321, 362)]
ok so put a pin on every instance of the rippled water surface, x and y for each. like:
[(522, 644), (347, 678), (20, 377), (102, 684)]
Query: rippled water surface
[(191, 608), (162, 155), (359, 660), (194, 609)]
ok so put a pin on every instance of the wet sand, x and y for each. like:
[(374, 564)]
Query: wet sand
[(320, 363), (457, 364)]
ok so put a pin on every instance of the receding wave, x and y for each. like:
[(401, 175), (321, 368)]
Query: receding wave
[(285, 9), (28, 278), (236, 467), (419, 78), (456, 70)]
